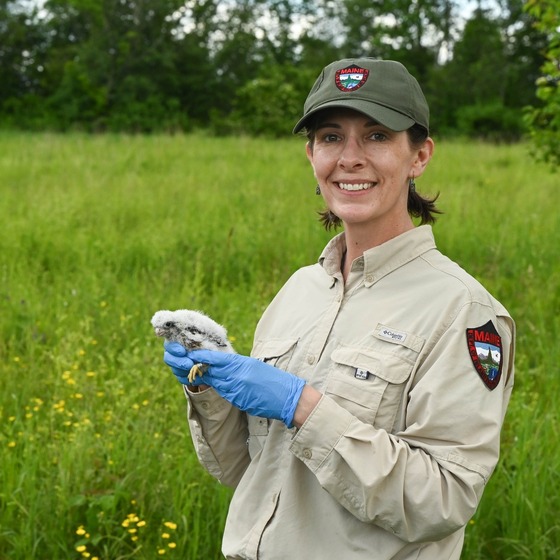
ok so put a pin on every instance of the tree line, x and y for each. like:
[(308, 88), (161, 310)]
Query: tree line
[(246, 66)]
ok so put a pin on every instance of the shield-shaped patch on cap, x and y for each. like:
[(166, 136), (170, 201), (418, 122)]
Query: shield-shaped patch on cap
[(351, 78), (485, 349)]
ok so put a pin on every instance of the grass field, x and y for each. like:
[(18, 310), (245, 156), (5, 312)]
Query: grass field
[(98, 232)]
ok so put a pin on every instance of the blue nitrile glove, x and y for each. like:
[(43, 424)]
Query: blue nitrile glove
[(249, 384), (175, 357)]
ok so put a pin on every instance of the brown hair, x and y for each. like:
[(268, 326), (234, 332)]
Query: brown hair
[(418, 206)]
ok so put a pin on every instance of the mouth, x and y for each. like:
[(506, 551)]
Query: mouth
[(355, 186)]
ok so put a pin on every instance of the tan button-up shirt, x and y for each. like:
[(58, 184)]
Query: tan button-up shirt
[(393, 461)]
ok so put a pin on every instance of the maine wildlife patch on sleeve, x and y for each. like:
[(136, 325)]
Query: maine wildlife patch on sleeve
[(485, 349)]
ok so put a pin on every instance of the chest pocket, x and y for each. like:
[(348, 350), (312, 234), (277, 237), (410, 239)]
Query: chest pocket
[(275, 351), (258, 430), (278, 353), (369, 380)]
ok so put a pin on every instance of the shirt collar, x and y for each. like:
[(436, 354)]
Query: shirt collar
[(383, 259)]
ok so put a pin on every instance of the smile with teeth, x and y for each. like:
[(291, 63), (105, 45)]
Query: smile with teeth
[(355, 186)]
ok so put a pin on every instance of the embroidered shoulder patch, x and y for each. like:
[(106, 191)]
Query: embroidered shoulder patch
[(485, 349), (351, 78)]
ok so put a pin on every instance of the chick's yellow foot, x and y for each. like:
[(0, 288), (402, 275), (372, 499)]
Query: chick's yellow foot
[(197, 369)]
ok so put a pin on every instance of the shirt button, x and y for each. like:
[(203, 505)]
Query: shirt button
[(307, 453), (204, 405), (311, 359), (369, 278)]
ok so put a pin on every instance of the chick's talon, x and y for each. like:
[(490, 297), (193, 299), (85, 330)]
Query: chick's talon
[(197, 369)]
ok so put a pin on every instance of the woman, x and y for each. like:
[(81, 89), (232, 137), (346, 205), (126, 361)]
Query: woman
[(368, 421)]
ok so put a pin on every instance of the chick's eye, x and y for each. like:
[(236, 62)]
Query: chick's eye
[(168, 324)]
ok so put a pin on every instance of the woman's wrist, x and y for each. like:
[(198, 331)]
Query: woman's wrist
[(308, 400)]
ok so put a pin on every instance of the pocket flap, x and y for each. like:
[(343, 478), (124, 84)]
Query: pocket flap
[(386, 366), (257, 426), (273, 347)]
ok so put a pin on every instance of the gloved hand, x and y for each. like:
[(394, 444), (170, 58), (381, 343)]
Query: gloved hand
[(249, 384), (174, 350)]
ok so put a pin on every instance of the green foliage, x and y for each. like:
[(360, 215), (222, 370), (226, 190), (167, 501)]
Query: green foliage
[(101, 231), (269, 104), (491, 121), (478, 60), (544, 118), (142, 66)]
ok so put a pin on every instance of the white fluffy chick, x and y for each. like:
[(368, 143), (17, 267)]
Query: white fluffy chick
[(194, 330)]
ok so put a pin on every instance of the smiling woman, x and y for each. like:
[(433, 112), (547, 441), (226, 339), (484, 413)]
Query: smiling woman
[(365, 406), (418, 206), (364, 172)]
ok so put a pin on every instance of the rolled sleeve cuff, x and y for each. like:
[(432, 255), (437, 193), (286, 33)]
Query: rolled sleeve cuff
[(320, 433)]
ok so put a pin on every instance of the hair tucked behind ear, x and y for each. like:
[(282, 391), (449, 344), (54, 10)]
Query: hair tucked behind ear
[(418, 206), (422, 207), (329, 220)]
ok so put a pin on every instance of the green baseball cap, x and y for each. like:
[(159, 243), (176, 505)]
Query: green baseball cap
[(381, 89)]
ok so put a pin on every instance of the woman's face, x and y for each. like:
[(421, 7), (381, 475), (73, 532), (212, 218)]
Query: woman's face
[(363, 169)]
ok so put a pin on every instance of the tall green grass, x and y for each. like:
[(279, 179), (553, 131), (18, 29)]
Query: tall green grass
[(98, 232)]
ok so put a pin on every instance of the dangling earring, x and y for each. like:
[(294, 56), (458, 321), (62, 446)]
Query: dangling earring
[(317, 189), (411, 185)]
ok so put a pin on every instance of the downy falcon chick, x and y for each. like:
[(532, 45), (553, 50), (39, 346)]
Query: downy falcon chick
[(194, 330)]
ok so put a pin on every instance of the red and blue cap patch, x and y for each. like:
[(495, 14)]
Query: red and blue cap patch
[(351, 78), (485, 350)]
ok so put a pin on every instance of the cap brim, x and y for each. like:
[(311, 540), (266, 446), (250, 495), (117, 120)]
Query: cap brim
[(387, 117)]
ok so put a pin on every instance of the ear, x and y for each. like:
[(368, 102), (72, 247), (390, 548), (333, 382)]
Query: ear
[(423, 157), (309, 152)]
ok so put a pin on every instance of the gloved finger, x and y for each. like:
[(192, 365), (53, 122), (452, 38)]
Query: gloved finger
[(182, 363), (204, 380), (181, 376), (213, 358), (174, 348)]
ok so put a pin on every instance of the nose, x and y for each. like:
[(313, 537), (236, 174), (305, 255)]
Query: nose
[(352, 155)]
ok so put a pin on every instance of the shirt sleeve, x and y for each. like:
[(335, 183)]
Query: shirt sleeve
[(425, 481), (219, 433)]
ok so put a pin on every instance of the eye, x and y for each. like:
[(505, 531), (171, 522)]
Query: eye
[(168, 324), (378, 136), (326, 137), (330, 137)]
